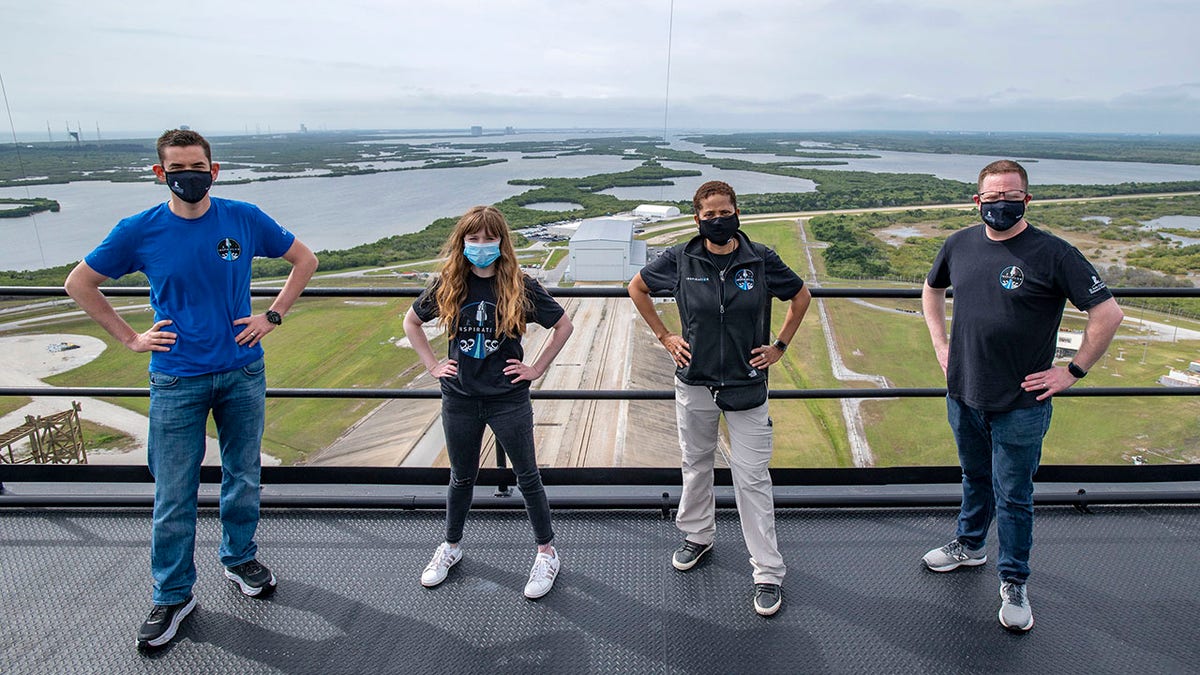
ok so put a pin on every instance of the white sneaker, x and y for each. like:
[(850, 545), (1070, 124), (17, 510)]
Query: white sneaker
[(445, 557), (541, 576)]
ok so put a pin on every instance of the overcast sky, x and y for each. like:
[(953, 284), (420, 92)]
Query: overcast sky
[(227, 66)]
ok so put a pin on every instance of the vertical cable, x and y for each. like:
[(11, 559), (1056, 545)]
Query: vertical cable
[(667, 92), (21, 166)]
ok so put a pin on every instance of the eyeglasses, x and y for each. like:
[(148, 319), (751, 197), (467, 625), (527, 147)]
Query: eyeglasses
[(1008, 196)]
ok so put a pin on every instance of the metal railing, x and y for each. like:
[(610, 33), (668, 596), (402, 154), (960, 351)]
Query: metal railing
[(612, 476)]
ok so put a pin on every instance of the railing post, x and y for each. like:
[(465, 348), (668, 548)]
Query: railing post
[(503, 489)]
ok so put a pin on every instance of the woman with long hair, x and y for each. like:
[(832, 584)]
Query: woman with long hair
[(483, 301)]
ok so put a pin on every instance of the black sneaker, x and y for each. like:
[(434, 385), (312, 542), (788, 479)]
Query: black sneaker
[(686, 556), (252, 578), (767, 598), (159, 628)]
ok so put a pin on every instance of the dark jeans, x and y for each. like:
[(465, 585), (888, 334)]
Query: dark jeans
[(511, 420), (999, 452)]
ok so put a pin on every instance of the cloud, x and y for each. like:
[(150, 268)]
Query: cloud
[(757, 64)]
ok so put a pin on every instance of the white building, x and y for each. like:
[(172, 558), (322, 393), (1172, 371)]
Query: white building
[(603, 249), (1069, 342), (655, 211)]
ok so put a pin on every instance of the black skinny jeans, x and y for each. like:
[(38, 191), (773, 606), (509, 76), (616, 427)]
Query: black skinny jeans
[(511, 420)]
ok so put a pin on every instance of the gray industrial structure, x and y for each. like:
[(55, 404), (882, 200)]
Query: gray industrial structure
[(603, 249)]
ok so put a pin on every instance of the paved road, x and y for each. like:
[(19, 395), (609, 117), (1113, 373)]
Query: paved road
[(26, 360)]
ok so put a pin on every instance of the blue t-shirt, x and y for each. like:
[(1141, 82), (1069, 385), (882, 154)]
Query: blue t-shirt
[(199, 272)]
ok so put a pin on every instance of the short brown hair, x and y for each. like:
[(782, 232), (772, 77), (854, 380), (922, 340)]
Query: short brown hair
[(181, 138), (713, 187), (1003, 166)]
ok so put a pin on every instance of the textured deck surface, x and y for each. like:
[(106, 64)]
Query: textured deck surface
[(1116, 590)]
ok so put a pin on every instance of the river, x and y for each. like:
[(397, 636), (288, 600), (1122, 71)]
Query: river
[(336, 213)]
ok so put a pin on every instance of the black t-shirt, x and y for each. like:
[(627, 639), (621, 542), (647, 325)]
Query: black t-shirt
[(481, 355), (1008, 303)]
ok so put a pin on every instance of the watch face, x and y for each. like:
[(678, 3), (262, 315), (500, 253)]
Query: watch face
[(274, 317)]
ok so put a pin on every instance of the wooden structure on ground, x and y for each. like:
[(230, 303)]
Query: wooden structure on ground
[(56, 439)]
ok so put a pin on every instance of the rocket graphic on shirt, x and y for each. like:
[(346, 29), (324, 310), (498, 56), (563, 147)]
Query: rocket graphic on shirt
[(476, 335)]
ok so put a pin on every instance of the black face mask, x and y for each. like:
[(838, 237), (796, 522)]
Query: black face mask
[(1001, 216), (191, 186), (719, 230)]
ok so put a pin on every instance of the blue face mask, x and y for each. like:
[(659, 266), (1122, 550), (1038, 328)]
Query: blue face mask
[(191, 186), (481, 255), (1001, 216)]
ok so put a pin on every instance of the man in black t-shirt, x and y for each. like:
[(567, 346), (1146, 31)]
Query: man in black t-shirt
[(1011, 282)]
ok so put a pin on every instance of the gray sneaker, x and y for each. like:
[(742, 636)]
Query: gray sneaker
[(952, 556), (767, 598), (1015, 613), (686, 556)]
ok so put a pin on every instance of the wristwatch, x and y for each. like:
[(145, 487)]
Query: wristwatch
[(1075, 371), (780, 345), (274, 317)]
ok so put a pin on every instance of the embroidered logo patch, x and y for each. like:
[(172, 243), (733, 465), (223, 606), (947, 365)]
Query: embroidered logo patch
[(1097, 284), (744, 279), (229, 249), (1011, 278)]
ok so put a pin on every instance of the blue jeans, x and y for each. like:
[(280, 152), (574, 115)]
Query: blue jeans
[(179, 408), (511, 420), (999, 452)]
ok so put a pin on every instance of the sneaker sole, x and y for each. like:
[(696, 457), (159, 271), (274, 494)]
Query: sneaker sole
[(683, 567), (1015, 629), (438, 581), (169, 633), (969, 562), (769, 611), (251, 591)]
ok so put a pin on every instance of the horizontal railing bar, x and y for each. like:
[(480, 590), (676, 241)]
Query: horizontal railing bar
[(585, 476), (594, 394), (570, 292), (655, 502)]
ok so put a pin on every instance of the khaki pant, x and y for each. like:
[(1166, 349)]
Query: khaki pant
[(751, 442)]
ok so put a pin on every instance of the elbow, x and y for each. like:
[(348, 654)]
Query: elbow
[(73, 284)]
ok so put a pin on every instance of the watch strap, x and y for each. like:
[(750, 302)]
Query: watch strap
[(1076, 372)]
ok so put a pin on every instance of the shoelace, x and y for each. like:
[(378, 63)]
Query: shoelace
[(1015, 594), (955, 550), (251, 568), (766, 589), (157, 614), (541, 569), (441, 559)]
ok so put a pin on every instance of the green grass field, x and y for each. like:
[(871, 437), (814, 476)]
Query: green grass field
[(11, 403), (328, 342), (349, 342)]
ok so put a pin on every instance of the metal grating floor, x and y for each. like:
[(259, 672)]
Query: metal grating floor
[(1116, 590)]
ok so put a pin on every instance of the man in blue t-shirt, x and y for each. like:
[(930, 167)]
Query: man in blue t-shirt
[(205, 355), (1011, 282)]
